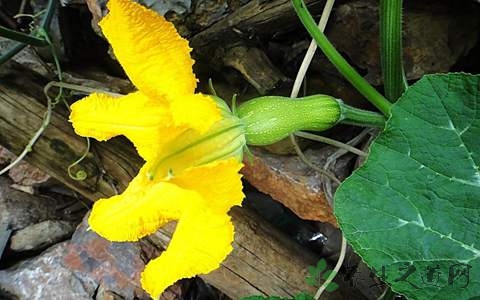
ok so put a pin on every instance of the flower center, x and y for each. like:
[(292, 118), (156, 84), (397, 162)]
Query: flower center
[(225, 139)]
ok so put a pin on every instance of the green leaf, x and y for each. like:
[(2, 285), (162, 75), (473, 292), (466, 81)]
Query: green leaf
[(312, 271), (327, 274), (415, 204), (311, 281), (331, 287), (303, 296), (321, 265)]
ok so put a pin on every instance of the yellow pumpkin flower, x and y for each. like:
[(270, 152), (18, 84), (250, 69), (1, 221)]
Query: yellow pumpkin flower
[(191, 143)]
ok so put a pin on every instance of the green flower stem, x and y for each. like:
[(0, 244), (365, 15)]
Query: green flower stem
[(11, 52), (272, 118), (50, 12), (339, 62), (391, 48), (360, 117), (22, 37)]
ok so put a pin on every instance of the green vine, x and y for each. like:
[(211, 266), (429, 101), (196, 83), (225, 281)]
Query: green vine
[(50, 105), (391, 48), (81, 174), (42, 38), (35, 38), (367, 90)]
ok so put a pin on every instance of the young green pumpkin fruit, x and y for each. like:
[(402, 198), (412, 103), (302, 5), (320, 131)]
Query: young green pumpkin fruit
[(270, 119)]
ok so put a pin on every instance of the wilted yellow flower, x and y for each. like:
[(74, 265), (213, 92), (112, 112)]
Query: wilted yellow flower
[(191, 143)]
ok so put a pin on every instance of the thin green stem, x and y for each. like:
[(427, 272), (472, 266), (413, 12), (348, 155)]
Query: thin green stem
[(81, 174), (343, 251), (302, 71), (22, 37), (306, 161), (11, 52), (48, 114), (81, 88), (47, 18), (388, 294), (360, 117), (36, 136), (367, 90), (44, 34), (44, 25), (391, 48), (328, 141)]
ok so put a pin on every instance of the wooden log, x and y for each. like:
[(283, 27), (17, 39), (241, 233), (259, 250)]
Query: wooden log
[(23, 106), (224, 33), (264, 261), (233, 40), (255, 67), (257, 17)]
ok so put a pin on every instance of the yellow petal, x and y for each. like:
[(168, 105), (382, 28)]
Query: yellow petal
[(147, 123), (150, 143), (101, 116), (202, 240), (197, 111), (219, 183), (140, 210), (154, 56)]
